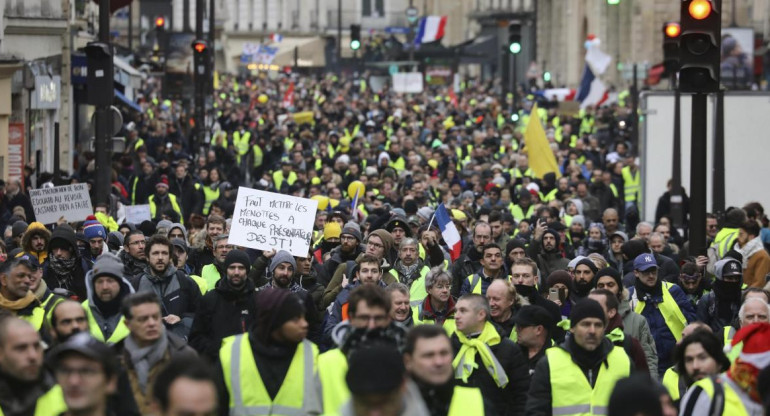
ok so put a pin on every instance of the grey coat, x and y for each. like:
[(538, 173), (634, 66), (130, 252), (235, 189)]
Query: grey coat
[(636, 326)]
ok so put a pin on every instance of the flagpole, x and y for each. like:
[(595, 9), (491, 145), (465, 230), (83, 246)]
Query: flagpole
[(432, 218)]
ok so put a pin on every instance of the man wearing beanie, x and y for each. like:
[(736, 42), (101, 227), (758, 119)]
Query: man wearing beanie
[(228, 309), (349, 248), (633, 324), (664, 305), (107, 287), (96, 236), (272, 366), (617, 334), (581, 372), (583, 278), (66, 269), (545, 250), (719, 308), (162, 201)]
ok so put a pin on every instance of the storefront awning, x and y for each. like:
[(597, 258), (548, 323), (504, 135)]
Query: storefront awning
[(123, 99)]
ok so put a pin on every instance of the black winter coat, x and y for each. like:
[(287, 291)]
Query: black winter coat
[(179, 295), (186, 194), (221, 313), (511, 399)]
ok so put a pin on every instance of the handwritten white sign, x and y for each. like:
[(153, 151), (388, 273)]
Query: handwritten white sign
[(267, 220), (135, 214), (69, 201), (407, 82)]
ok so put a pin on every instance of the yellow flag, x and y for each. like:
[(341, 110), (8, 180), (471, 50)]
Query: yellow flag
[(216, 80), (541, 157)]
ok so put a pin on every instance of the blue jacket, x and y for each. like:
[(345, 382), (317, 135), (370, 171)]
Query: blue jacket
[(664, 339), (334, 311)]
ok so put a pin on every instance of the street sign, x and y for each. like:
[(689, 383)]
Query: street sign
[(397, 30), (412, 14)]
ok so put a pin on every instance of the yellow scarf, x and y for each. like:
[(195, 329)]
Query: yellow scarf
[(465, 361), (17, 305)]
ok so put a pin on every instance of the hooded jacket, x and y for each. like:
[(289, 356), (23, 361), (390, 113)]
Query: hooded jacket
[(547, 261), (107, 324), (73, 279), (34, 229), (179, 295)]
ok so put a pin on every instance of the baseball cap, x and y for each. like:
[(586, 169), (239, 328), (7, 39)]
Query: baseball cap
[(728, 267), (84, 344), (533, 315), (31, 260), (644, 262), (178, 242)]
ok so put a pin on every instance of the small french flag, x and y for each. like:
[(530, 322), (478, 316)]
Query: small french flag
[(449, 232), (276, 37), (431, 29)]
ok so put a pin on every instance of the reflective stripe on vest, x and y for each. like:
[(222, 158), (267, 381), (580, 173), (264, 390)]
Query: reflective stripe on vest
[(733, 405), (675, 320), (466, 401), (630, 183), (174, 206), (728, 332), (571, 393), (724, 240), (119, 333), (209, 196), (248, 395)]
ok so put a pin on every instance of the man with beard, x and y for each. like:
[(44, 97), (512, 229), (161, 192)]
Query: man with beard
[(580, 373), (583, 279), (162, 201), (698, 356), (68, 318), (491, 269), (611, 221), (307, 275), (106, 290), (215, 226), (97, 237), (664, 305), (213, 273), (35, 240), (15, 197), (228, 309), (524, 279), (367, 272), (470, 261), (544, 249), (282, 267), (348, 250), (719, 308), (25, 387), (504, 303), (179, 295), (133, 257), (410, 269), (400, 311), (428, 360)]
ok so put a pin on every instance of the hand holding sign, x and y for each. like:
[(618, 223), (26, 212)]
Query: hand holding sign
[(271, 221)]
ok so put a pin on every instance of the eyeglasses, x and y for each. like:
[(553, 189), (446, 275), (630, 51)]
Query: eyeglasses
[(375, 245), (442, 287)]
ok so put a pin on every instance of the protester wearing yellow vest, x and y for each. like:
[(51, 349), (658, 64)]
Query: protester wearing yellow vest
[(29, 389), (485, 360), (698, 356), (491, 268), (631, 184), (97, 376), (728, 235), (437, 307), (664, 305), (578, 376), (735, 392), (161, 201), (241, 139), (15, 294), (428, 361), (285, 174), (107, 288), (273, 369)]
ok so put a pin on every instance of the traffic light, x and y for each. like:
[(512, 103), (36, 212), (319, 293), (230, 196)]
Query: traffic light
[(355, 37), (514, 38), (699, 46), (671, 32), (547, 76), (160, 22), (200, 57), (613, 2), (100, 73)]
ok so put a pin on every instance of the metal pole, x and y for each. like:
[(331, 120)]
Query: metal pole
[(718, 184), (103, 119), (56, 169), (339, 33), (200, 79), (513, 81), (186, 16), (410, 35), (212, 49), (635, 110), (296, 58), (677, 216), (131, 26), (698, 172)]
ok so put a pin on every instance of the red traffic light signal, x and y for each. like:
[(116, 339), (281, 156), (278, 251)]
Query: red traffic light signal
[(672, 30), (700, 9), (160, 21), (199, 46)]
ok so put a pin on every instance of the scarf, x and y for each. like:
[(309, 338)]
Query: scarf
[(408, 271), (41, 289), (145, 358), (63, 268), (17, 305), (465, 361), (752, 247)]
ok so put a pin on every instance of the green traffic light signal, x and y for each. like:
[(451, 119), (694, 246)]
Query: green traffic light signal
[(355, 44), (515, 47), (613, 2), (514, 117), (547, 76)]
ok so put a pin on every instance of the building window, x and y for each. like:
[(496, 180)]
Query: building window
[(373, 8)]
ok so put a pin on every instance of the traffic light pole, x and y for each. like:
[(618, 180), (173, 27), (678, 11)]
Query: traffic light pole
[(676, 165), (698, 172), (718, 191), (103, 117), (200, 80)]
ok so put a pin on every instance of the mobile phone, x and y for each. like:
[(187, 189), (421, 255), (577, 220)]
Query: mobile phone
[(553, 294)]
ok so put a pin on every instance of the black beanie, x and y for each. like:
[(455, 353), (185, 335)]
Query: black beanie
[(237, 256), (555, 235), (381, 359), (586, 308), (512, 244), (275, 307), (635, 395), (587, 262), (611, 272)]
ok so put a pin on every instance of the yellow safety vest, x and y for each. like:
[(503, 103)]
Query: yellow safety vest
[(174, 206), (278, 178), (50, 403), (631, 184), (672, 383), (449, 324), (675, 320), (248, 395), (417, 292), (258, 156), (36, 318), (550, 196), (728, 333), (518, 213), (210, 195), (332, 369), (724, 241), (121, 330), (466, 401), (202, 283), (241, 142), (475, 279), (570, 391), (733, 406), (211, 275)]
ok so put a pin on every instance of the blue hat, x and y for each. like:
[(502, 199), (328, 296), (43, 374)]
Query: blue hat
[(94, 229), (644, 262)]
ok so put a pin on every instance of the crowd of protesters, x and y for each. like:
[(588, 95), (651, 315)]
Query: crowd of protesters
[(563, 300)]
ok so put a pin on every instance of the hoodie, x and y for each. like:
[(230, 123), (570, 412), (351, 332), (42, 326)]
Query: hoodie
[(34, 229), (107, 322)]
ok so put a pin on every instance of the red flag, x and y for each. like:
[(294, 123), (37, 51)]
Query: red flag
[(116, 4), (288, 97), (452, 96)]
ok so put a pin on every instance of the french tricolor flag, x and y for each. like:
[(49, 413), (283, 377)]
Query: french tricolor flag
[(449, 232), (431, 29), (592, 90)]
